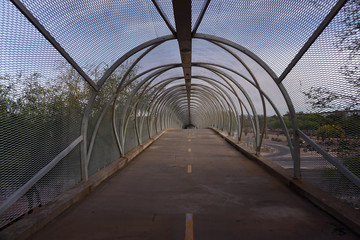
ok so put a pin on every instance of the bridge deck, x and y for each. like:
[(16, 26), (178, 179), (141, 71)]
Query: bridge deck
[(193, 172)]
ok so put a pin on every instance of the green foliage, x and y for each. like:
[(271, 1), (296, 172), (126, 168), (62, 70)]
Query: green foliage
[(330, 131), (276, 139), (351, 125), (39, 117), (273, 123)]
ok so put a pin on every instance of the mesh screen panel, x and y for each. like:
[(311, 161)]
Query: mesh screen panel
[(248, 137), (131, 140), (166, 53), (324, 89), (105, 148), (96, 32), (167, 7), (42, 99), (275, 146), (318, 171), (279, 27), (145, 133), (196, 7)]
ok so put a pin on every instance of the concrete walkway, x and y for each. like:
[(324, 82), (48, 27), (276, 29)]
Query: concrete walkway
[(190, 184)]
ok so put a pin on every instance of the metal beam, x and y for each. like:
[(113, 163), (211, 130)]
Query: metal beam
[(202, 13), (23, 189), (53, 42), (182, 14), (312, 39), (164, 17), (333, 160)]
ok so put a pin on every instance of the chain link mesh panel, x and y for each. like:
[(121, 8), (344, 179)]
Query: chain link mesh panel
[(324, 87), (279, 27), (97, 32), (42, 100), (196, 7), (167, 8)]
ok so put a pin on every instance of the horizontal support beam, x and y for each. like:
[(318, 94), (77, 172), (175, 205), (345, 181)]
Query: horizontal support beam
[(334, 161), (53, 42), (22, 190), (312, 39)]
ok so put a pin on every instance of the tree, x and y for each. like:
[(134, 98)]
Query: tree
[(330, 131), (40, 116)]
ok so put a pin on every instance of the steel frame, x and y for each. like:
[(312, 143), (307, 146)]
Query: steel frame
[(171, 104)]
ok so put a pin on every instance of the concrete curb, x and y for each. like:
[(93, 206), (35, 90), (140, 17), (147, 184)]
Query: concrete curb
[(331, 205), (30, 224)]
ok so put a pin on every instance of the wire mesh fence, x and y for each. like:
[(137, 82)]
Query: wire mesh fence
[(46, 104), (324, 89)]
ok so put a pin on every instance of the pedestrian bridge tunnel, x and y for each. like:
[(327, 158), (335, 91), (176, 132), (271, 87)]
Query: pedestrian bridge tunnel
[(85, 82)]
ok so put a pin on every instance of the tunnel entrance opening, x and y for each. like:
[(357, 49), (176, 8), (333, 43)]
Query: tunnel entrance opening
[(190, 126)]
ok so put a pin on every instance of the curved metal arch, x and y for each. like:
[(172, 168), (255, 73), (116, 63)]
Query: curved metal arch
[(215, 83), (162, 103), (168, 65), (232, 90), (178, 65), (208, 104), (223, 92), (201, 101), (162, 66), (147, 84), (99, 120), (255, 125), (212, 39), (282, 89), (228, 96), (231, 106), (169, 95), (89, 106), (213, 103), (156, 41), (182, 93), (225, 87), (173, 65), (150, 103), (252, 83), (253, 109), (238, 47), (202, 113), (147, 80), (292, 149), (157, 73), (257, 86)]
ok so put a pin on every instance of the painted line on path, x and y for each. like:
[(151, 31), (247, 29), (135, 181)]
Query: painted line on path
[(189, 226), (189, 169)]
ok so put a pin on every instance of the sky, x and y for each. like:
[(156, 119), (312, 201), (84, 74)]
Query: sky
[(100, 31)]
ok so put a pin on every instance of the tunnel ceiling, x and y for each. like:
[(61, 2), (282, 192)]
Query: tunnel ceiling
[(200, 55)]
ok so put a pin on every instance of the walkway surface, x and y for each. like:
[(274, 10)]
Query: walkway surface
[(190, 184)]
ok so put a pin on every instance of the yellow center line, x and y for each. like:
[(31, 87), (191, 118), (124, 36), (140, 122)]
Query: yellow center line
[(189, 149), (189, 169), (189, 226)]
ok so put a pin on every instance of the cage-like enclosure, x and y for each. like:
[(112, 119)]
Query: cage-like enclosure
[(84, 82)]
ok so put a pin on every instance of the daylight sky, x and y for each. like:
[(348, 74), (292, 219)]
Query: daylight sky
[(98, 32)]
